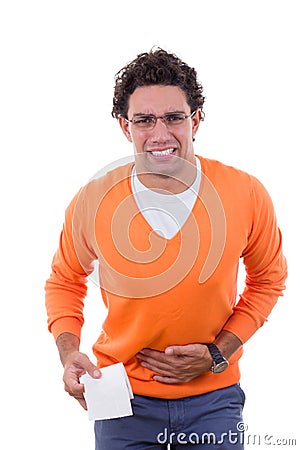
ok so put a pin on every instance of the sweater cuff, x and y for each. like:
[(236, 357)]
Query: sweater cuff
[(66, 325), (242, 326)]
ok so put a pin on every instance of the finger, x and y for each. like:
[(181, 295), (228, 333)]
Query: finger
[(77, 393), (165, 361), (167, 380), (81, 401), (159, 369), (163, 364), (83, 361), (94, 372), (181, 350), (73, 387), (152, 355)]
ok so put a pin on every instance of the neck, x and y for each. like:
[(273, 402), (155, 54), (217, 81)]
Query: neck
[(169, 183)]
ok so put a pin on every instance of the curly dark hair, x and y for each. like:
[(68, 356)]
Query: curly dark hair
[(156, 67)]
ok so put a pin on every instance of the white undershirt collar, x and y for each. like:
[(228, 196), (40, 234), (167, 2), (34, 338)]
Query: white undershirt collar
[(166, 214)]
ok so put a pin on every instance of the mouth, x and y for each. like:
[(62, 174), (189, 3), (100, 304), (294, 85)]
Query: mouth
[(163, 154)]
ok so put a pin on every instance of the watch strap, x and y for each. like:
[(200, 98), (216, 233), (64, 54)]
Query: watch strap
[(215, 353)]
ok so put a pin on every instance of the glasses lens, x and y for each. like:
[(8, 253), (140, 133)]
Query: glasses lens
[(145, 121), (174, 118)]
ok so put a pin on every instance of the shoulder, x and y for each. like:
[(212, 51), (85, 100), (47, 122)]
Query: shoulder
[(107, 178), (214, 168), (225, 176), (104, 181), (235, 186), (90, 196)]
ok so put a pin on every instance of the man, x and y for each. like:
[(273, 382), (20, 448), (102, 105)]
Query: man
[(168, 231)]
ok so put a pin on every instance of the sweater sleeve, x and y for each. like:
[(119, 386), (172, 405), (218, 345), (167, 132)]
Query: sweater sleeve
[(265, 265), (67, 285)]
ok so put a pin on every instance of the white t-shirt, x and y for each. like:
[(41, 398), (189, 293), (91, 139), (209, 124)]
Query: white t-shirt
[(165, 213)]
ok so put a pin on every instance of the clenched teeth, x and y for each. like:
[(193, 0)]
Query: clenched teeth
[(166, 152)]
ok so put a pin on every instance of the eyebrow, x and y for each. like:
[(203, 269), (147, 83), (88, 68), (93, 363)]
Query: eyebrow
[(150, 114)]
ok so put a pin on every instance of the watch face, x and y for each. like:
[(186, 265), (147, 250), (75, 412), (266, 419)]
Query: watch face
[(218, 368)]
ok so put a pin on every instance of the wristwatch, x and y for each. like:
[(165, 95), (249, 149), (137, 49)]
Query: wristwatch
[(220, 363)]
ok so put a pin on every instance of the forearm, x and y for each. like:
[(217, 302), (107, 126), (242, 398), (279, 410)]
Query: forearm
[(67, 343), (228, 343)]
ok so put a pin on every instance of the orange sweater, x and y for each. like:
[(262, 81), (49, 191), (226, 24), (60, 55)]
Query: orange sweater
[(161, 292)]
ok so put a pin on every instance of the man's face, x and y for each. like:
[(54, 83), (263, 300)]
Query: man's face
[(164, 149)]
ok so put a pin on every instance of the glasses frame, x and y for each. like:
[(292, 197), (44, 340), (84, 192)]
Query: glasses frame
[(162, 118)]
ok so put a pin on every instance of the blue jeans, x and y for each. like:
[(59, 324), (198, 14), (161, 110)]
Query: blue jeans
[(209, 421)]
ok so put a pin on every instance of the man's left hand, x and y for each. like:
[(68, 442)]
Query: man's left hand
[(177, 364)]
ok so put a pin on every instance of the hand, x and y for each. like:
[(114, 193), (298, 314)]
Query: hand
[(178, 364), (75, 366)]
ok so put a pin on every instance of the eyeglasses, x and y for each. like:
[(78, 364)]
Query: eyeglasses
[(148, 121)]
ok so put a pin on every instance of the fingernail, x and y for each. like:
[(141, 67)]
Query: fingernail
[(96, 373)]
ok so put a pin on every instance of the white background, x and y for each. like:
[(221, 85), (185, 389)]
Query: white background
[(58, 60)]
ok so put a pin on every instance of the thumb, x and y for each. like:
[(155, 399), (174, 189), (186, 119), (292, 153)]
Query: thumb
[(182, 350), (91, 369), (95, 372), (176, 350)]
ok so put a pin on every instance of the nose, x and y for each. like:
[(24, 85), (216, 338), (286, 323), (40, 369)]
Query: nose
[(160, 131)]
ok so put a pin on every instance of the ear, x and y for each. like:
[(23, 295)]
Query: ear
[(196, 122), (125, 128)]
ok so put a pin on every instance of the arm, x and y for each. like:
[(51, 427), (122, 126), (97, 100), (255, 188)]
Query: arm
[(266, 268), (65, 292)]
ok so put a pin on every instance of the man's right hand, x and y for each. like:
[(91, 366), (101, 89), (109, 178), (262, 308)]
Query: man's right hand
[(75, 365)]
